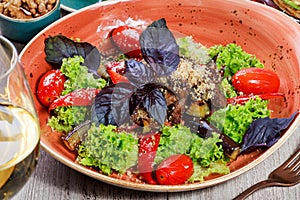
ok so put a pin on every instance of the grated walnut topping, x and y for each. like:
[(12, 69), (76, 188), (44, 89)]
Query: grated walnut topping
[(201, 81), (26, 9)]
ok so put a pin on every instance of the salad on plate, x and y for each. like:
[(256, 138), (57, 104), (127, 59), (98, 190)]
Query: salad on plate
[(158, 109)]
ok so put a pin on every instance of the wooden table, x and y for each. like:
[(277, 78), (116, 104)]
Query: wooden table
[(55, 181)]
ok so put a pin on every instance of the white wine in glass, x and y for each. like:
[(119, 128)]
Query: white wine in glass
[(19, 125)]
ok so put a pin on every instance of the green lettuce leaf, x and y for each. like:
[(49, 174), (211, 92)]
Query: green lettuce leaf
[(107, 150), (174, 140), (78, 75), (234, 120), (215, 168), (66, 117), (231, 58)]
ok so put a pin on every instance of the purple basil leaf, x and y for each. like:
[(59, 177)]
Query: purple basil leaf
[(92, 60), (150, 98), (101, 108), (138, 73), (120, 102), (59, 47), (264, 132), (111, 105), (159, 48)]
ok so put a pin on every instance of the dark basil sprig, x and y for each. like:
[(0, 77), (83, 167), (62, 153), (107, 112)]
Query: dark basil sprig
[(116, 103), (264, 132), (159, 48), (151, 99), (59, 47), (111, 105), (138, 73)]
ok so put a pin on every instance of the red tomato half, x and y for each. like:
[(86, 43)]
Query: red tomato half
[(175, 170), (50, 86), (256, 81)]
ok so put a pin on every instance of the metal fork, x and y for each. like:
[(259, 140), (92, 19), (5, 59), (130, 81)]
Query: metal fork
[(287, 174)]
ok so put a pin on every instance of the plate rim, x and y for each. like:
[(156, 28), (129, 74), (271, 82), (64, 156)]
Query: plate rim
[(157, 188)]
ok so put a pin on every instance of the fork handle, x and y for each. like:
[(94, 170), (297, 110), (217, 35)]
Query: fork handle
[(253, 188)]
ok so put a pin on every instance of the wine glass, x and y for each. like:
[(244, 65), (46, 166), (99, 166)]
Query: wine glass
[(19, 125)]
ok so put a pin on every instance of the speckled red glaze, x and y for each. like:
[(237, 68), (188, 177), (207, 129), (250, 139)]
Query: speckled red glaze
[(270, 35)]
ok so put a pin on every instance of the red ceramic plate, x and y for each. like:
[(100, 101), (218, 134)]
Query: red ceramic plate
[(272, 36)]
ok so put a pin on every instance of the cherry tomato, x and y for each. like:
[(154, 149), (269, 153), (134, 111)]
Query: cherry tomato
[(50, 86), (256, 81), (127, 39), (175, 170)]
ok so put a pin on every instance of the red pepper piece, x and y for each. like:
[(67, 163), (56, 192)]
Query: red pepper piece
[(80, 97), (117, 66), (116, 77), (244, 98), (147, 151)]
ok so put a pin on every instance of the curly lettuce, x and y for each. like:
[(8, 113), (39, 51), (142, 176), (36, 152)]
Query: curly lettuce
[(65, 117), (231, 58), (234, 120), (107, 150), (78, 75), (174, 140), (201, 172)]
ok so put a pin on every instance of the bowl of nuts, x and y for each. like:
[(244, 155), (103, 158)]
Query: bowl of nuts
[(21, 20)]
